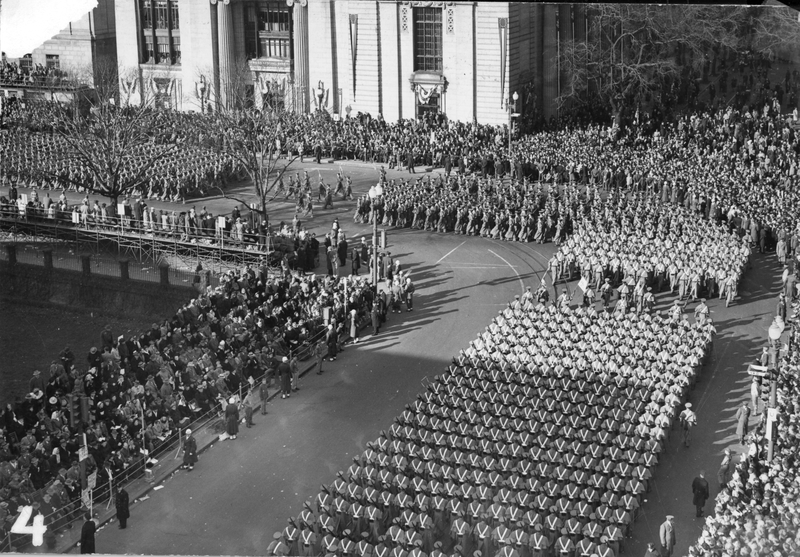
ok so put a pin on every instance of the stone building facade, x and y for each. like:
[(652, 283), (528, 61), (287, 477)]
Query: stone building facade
[(396, 58)]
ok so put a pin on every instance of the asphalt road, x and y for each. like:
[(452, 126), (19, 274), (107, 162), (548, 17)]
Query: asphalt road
[(242, 491)]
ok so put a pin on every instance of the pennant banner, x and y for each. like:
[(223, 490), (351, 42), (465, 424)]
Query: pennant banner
[(353, 47), (502, 24)]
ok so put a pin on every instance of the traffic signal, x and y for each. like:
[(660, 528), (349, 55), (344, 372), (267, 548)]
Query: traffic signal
[(74, 408), (773, 358), (86, 415)]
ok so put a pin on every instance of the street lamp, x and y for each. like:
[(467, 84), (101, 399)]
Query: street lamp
[(375, 192), (512, 113)]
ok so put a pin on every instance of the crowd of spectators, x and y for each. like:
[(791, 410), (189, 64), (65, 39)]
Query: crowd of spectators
[(134, 394), (757, 511), (25, 72)]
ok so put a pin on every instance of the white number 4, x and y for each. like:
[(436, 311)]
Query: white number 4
[(37, 529)]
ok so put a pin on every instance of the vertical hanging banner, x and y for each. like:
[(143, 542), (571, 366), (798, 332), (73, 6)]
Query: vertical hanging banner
[(353, 47), (502, 24), (558, 51)]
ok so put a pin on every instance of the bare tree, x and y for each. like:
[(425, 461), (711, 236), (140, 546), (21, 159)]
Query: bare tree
[(775, 31), (632, 50), (251, 137), (108, 151)]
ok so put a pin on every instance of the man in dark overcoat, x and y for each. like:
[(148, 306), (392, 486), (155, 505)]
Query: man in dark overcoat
[(122, 505)]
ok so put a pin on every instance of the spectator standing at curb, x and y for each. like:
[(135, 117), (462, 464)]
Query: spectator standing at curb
[(319, 353), (742, 418), (332, 340), (263, 394), (285, 372), (700, 493), (666, 535), (248, 412), (232, 418), (409, 294), (122, 505), (87, 535), (724, 469), (294, 365), (376, 317), (189, 451), (354, 325)]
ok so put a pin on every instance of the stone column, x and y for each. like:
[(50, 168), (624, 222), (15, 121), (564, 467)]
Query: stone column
[(300, 17), (225, 49)]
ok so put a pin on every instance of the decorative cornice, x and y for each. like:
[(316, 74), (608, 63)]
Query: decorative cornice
[(301, 3), (224, 2), (429, 3)]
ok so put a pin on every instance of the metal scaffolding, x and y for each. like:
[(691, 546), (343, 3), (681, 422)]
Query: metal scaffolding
[(215, 254)]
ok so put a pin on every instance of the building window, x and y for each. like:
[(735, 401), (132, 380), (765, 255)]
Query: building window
[(160, 31), (176, 49), (147, 14), (52, 61), (164, 56), (428, 39), (174, 22), (161, 14), (149, 51), (268, 29)]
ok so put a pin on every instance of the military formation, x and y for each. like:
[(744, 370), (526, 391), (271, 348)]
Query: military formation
[(541, 439), (173, 177), (643, 247)]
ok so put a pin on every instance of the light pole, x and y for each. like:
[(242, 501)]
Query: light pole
[(375, 192), (512, 113)]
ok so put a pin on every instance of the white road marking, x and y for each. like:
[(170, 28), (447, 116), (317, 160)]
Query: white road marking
[(519, 278), (468, 266), (451, 251)]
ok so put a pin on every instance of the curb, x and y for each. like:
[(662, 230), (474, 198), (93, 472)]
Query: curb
[(71, 538)]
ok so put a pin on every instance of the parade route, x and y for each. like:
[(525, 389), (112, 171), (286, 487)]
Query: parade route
[(243, 491)]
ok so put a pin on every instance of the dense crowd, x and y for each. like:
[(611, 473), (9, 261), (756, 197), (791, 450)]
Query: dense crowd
[(136, 393), (758, 510), (543, 436), (15, 73)]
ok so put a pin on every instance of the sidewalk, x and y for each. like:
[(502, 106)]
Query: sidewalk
[(206, 435)]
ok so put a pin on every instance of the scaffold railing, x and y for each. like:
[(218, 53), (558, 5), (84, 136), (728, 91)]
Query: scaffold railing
[(150, 244)]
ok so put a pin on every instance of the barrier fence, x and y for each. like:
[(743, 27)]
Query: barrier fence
[(68, 515)]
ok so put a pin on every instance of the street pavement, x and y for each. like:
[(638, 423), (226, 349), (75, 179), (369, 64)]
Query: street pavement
[(244, 490)]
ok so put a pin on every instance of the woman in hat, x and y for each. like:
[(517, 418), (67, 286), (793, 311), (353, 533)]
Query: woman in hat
[(189, 451), (232, 418)]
